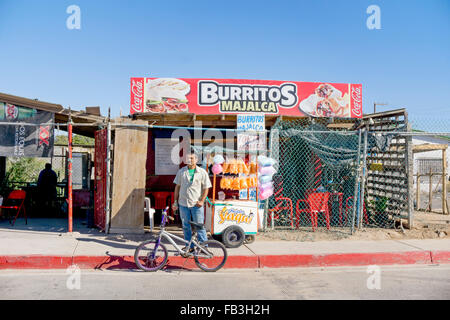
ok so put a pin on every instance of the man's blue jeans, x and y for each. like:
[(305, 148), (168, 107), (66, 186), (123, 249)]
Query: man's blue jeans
[(195, 214)]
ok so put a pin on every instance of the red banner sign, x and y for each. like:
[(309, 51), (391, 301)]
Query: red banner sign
[(219, 96)]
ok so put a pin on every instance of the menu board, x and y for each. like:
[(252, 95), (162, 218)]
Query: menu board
[(166, 156)]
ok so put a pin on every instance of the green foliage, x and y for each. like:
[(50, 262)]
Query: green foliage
[(377, 211), (76, 140), (21, 170)]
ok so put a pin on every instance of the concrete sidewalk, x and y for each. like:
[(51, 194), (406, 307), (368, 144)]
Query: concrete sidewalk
[(39, 247)]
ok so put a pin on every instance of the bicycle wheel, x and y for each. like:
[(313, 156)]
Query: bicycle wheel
[(214, 260), (143, 256)]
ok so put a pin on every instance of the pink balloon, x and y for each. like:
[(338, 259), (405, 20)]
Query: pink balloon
[(217, 168), (265, 194), (265, 186), (267, 171)]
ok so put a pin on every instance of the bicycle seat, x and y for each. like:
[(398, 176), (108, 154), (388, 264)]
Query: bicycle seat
[(198, 225)]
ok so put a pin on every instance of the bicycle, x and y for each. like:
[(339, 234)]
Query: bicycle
[(152, 255)]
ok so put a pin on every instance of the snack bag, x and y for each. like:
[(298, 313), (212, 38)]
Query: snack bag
[(246, 169), (249, 182), (253, 168), (243, 183), (227, 183), (222, 183), (254, 182), (225, 166), (233, 168), (242, 166), (235, 185)]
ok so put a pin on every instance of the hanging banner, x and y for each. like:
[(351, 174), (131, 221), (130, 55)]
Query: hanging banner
[(251, 141), (225, 96), (22, 140)]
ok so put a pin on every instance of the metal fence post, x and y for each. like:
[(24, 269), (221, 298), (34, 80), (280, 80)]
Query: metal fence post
[(410, 172), (274, 154), (357, 181), (70, 199), (108, 176), (363, 179)]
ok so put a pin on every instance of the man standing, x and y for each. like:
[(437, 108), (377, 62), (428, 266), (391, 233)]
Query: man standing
[(47, 187), (192, 185)]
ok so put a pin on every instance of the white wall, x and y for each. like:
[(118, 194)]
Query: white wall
[(418, 140)]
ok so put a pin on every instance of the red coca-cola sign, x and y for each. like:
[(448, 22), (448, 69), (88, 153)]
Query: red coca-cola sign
[(137, 95), (356, 100)]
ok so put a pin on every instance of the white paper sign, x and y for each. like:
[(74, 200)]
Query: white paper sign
[(250, 141), (164, 149), (251, 122)]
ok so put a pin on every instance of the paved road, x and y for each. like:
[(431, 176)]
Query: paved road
[(395, 282)]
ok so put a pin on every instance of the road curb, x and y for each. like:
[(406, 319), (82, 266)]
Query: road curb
[(253, 262)]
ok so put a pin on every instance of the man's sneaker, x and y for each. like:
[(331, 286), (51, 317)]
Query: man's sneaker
[(190, 250)]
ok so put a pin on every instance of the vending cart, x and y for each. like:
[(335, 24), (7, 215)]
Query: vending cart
[(234, 221)]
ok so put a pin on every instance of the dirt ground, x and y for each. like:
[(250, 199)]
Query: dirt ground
[(426, 225)]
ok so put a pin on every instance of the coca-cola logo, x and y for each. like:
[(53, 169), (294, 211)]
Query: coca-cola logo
[(137, 88), (357, 101), (137, 91), (11, 112)]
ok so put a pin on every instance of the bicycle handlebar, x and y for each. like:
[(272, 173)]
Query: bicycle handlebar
[(165, 213)]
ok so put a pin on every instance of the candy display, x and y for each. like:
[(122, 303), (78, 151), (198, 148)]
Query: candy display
[(266, 171), (239, 175)]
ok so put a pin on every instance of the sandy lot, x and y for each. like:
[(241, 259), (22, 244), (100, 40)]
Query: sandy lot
[(426, 226)]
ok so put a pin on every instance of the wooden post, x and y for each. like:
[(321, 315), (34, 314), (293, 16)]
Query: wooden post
[(444, 182), (430, 192), (418, 192)]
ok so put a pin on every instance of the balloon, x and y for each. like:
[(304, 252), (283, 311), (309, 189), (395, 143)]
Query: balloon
[(270, 162), (265, 179), (265, 186), (264, 161), (217, 168), (218, 159), (268, 171), (266, 194)]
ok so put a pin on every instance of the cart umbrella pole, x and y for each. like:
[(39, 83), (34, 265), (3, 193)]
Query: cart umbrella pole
[(70, 207), (214, 188)]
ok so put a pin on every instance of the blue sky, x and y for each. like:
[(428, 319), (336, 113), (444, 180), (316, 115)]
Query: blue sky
[(406, 63)]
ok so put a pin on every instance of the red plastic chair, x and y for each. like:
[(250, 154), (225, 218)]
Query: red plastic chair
[(17, 196), (283, 203), (163, 199), (316, 202)]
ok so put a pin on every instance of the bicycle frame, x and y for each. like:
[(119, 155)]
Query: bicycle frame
[(169, 236)]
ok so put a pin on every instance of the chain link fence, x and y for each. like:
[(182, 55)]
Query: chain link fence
[(342, 177), (315, 185)]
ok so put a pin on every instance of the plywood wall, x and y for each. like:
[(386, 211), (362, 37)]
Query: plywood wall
[(128, 180)]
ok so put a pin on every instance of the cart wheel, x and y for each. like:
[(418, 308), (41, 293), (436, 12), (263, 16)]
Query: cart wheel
[(233, 237), (249, 238)]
